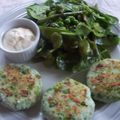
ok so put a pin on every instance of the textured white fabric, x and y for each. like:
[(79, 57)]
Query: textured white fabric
[(105, 112), (6, 5)]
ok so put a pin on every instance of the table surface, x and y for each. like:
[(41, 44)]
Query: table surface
[(6, 5)]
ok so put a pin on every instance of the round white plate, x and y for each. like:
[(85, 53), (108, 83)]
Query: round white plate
[(50, 76)]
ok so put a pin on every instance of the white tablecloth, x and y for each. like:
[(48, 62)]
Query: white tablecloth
[(108, 112), (6, 5)]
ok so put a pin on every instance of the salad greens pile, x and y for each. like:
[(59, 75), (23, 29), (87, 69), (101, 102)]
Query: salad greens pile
[(74, 35)]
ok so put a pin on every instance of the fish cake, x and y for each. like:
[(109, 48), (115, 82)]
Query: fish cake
[(68, 100), (20, 86), (104, 80)]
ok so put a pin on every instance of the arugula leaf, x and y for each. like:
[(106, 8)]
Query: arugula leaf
[(36, 11), (56, 40), (49, 2), (82, 29), (48, 31), (70, 41), (105, 17), (98, 30), (84, 47)]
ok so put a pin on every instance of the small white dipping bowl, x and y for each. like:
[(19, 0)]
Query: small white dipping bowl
[(27, 53)]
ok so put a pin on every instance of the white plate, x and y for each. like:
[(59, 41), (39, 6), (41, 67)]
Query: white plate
[(50, 77)]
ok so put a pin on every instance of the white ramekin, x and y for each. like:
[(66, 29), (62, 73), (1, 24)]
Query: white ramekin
[(25, 54)]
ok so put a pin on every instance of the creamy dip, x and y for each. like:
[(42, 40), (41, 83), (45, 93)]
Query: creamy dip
[(18, 39)]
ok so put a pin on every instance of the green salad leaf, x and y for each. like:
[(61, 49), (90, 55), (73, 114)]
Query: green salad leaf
[(74, 34), (36, 11)]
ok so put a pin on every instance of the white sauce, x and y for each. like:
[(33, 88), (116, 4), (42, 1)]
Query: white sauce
[(18, 39)]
